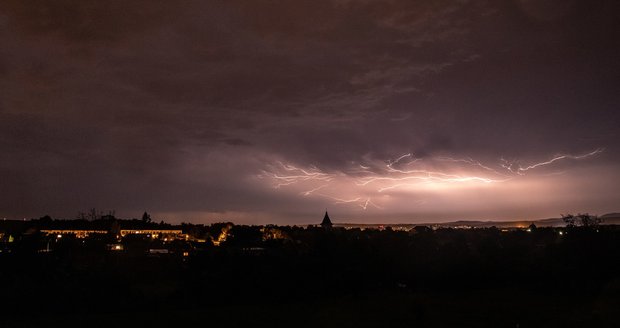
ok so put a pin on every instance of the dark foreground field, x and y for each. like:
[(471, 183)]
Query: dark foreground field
[(337, 278), (499, 307)]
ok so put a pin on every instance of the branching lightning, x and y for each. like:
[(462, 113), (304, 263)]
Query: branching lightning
[(369, 202), (560, 157), (469, 161), (515, 168), (390, 165), (309, 192), (362, 182), (296, 175)]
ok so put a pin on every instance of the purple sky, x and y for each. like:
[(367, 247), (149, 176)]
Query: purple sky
[(272, 111)]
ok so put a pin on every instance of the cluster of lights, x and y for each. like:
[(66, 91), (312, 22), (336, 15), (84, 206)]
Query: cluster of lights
[(224, 233)]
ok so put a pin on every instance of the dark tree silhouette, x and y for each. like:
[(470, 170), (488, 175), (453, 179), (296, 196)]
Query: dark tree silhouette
[(146, 217), (93, 214), (589, 221), (583, 219), (569, 219)]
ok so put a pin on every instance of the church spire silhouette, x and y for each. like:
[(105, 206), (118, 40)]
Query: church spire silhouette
[(327, 223)]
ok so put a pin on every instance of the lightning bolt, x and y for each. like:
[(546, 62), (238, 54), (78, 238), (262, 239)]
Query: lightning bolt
[(508, 165), (343, 201), (390, 165), (309, 192), (301, 175), (469, 161), (369, 202), (560, 157), (403, 171), (430, 176)]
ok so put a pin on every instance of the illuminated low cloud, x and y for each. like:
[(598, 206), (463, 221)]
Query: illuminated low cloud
[(409, 183)]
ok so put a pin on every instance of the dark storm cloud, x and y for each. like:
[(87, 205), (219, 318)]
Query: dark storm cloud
[(178, 107)]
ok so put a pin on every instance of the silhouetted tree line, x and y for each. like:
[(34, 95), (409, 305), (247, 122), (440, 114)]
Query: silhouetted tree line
[(582, 219)]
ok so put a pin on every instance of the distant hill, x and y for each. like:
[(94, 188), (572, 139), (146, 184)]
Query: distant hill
[(608, 219), (611, 218), (551, 222)]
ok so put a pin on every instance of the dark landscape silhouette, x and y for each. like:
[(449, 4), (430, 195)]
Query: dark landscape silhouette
[(106, 271)]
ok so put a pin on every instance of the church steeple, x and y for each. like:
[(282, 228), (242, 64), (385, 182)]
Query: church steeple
[(327, 223)]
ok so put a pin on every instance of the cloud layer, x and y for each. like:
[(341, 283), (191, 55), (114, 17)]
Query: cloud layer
[(189, 111)]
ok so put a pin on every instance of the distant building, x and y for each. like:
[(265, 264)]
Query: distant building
[(154, 233), (327, 223), (76, 232), (165, 234)]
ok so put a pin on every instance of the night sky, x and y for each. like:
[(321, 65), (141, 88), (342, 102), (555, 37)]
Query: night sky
[(273, 111)]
